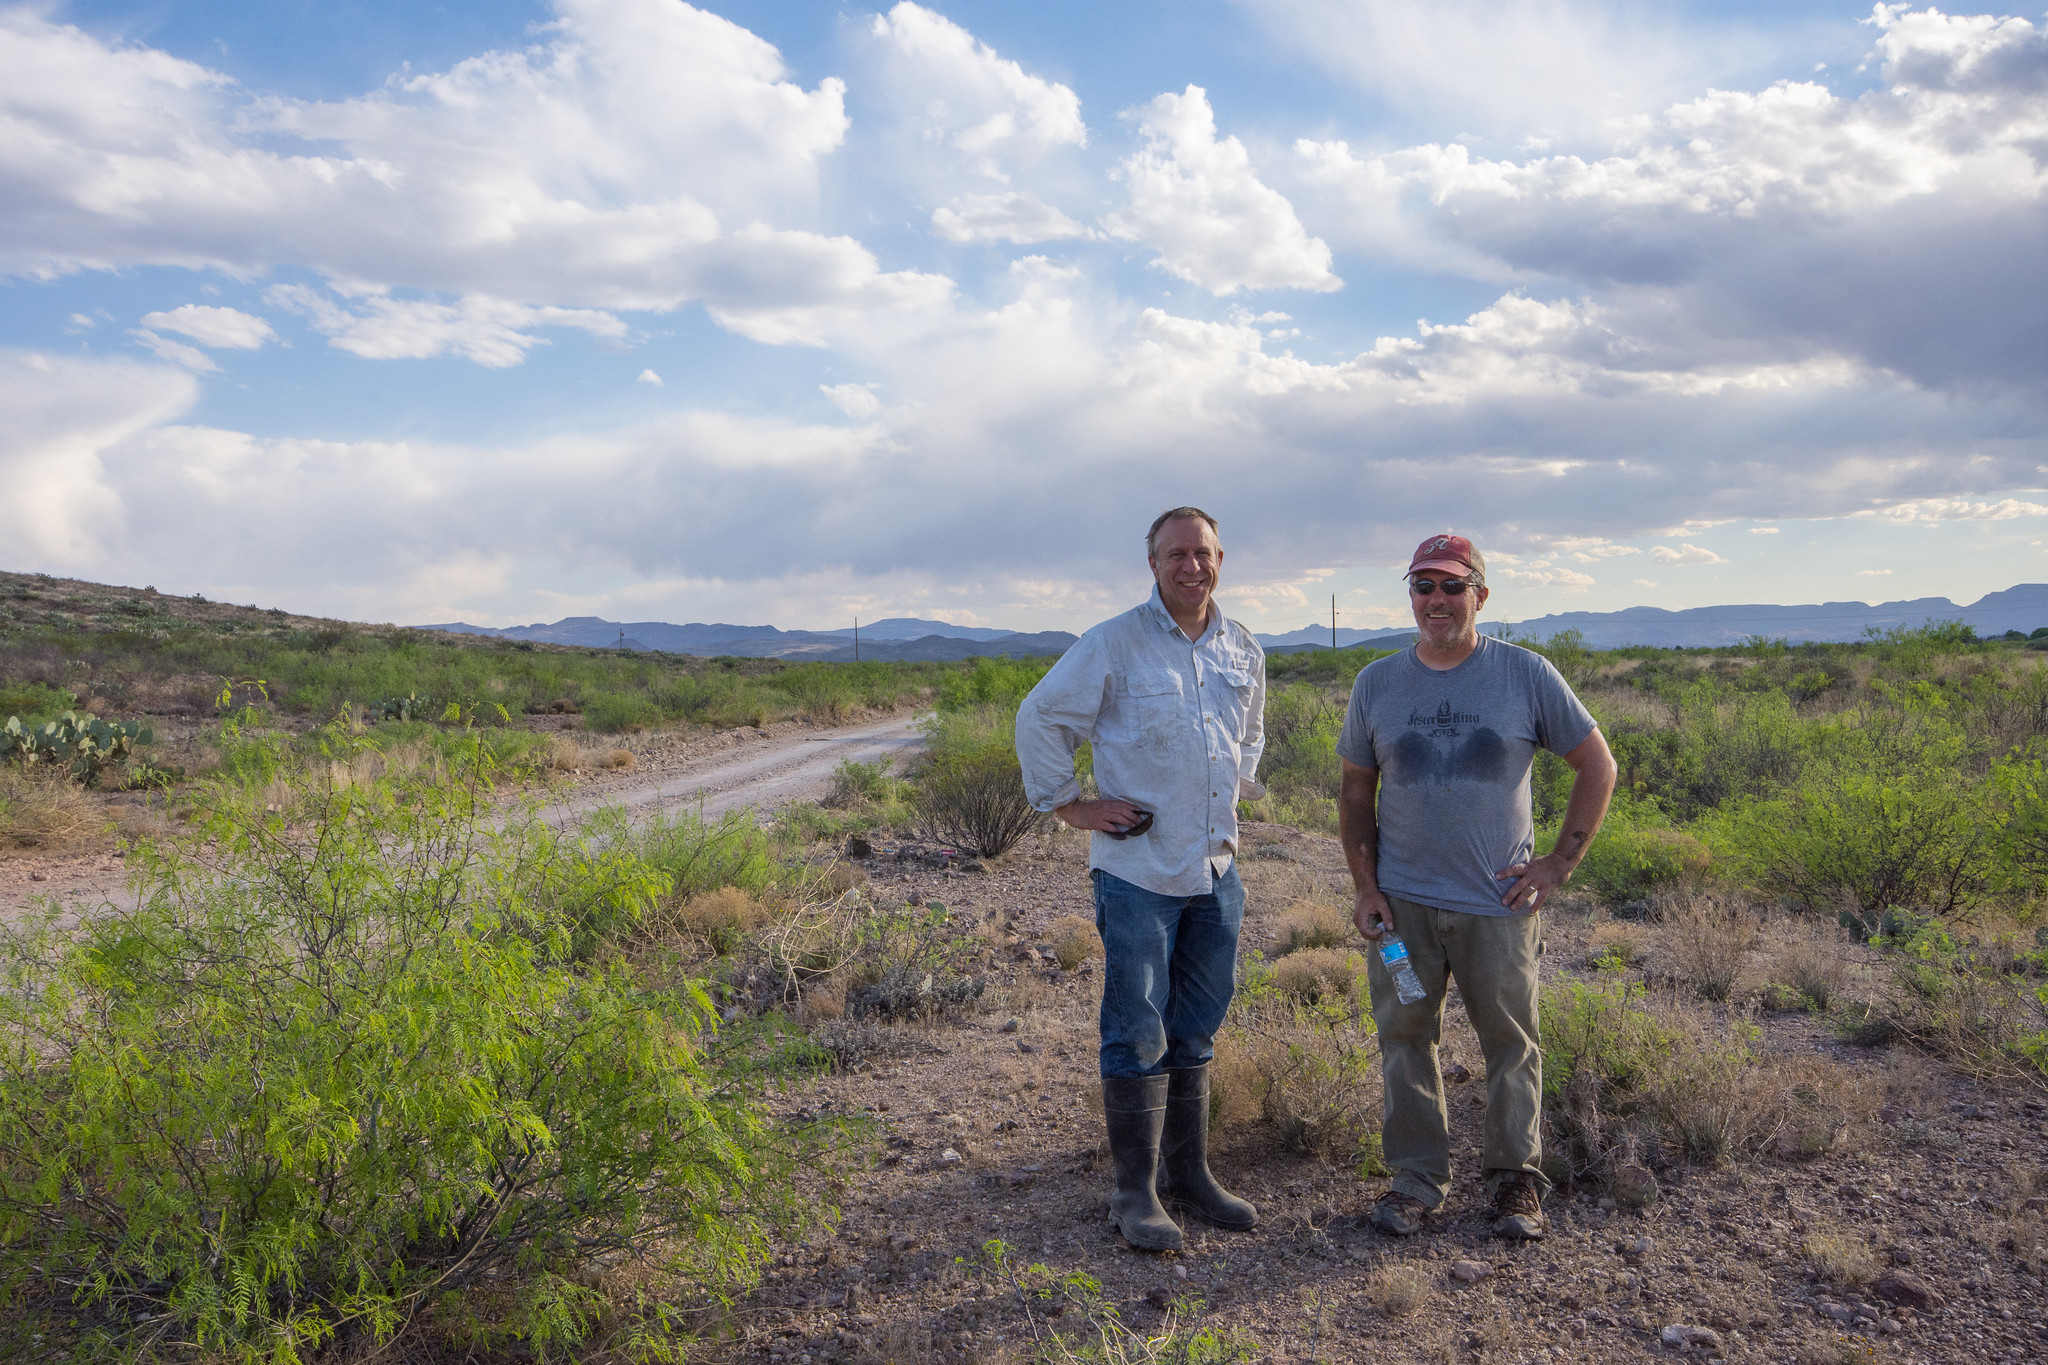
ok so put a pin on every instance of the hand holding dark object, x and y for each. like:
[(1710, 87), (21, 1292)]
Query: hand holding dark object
[(1118, 819)]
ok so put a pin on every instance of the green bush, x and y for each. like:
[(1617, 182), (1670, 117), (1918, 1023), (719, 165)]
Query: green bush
[(608, 713), (1887, 812), (1637, 853), (345, 1072)]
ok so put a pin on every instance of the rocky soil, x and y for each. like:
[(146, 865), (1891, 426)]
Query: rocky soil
[(988, 1129)]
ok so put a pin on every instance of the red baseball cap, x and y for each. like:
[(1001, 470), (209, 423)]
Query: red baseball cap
[(1448, 552)]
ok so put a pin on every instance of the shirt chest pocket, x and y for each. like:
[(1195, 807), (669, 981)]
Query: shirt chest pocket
[(1233, 700), (1154, 697)]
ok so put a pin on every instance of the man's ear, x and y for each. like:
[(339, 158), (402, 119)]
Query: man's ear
[(1482, 596)]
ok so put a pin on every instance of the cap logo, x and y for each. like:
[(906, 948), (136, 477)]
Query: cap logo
[(1442, 543)]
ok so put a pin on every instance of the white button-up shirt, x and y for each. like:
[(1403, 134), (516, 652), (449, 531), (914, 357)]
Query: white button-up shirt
[(1178, 727)]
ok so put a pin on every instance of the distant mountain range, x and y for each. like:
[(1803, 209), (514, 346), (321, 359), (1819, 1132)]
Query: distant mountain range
[(2023, 608), (894, 639)]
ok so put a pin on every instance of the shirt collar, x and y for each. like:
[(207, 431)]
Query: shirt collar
[(1164, 618)]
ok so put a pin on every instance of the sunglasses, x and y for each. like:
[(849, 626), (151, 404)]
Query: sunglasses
[(1423, 587), (1144, 823)]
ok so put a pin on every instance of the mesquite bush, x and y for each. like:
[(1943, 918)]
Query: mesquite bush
[(353, 1065)]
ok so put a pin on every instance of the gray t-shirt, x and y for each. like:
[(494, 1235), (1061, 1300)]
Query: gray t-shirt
[(1454, 749)]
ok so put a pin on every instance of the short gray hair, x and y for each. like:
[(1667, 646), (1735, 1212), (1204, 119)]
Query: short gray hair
[(1478, 575), (1174, 514)]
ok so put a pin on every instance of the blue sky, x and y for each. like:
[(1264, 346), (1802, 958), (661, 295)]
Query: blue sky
[(795, 312)]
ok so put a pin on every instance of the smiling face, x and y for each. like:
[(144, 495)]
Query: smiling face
[(1447, 623), (1186, 561)]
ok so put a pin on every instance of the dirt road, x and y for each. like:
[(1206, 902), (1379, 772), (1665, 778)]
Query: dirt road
[(764, 769), (764, 773)]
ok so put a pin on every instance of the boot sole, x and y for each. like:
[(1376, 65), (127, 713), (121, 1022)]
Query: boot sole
[(1196, 1212), (1142, 1245)]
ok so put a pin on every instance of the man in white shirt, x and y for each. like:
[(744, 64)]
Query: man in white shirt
[(1172, 695)]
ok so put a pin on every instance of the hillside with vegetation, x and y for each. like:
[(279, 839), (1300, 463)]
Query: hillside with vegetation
[(372, 1058)]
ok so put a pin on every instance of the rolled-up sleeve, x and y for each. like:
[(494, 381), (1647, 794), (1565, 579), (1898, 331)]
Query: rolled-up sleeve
[(1253, 746), (1057, 718)]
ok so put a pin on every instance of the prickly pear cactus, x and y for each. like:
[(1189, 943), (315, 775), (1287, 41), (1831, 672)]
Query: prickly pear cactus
[(87, 744)]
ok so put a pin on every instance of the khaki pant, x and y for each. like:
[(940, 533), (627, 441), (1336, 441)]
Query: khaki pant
[(1493, 959)]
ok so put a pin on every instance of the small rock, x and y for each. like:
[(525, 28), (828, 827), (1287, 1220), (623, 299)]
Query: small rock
[(37, 877), (1635, 1186), (1470, 1272), (857, 847), (1979, 1111), (1608, 1203), (1891, 1327), (949, 1157), (1159, 1297), (1027, 1048), (1682, 1335), (1901, 1255), (1907, 1289), (2037, 1204), (1011, 1025), (1456, 1073), (1840, 1312)]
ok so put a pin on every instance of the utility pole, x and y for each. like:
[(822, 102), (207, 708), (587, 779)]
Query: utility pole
[(1333, 620)]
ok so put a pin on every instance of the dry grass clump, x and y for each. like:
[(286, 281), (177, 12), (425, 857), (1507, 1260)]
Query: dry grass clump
[(564, 755), (1704, 941), (1315, 1080), (619, 760), (1312, 923), (1320, 974), (1844, 1261), (46, 811), (1616, 946), (1073, 940), (1806, 966), (722, 918), (1397, 1290)]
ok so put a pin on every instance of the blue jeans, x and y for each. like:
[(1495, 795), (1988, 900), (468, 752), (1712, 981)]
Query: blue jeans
[(1170, 966)]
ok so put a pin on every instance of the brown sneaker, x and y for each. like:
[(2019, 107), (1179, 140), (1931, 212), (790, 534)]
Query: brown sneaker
[(1518, 1210), (1397, 1214)]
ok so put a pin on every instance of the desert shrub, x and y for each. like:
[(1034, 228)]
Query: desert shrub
[(856, 782), (1704, 941), (1843, 1260), (1637, 854), (44, 810), (1314, 923), (1308, 1071), (1073, 940), (1886, 813), (1397, 1289), (971, 792), (32, 702), (347, 1071), (616, 760), (1971, 1002), (1314, 974), (608, 713), (1616, 945), (722, 918), (1806, 967)]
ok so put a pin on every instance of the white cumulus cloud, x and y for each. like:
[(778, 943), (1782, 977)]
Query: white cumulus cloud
[(648, 377), (855, 400), (1197, 201), (1013, 216), (491, 332), (641, 154), (1685, 554), (972, 98), (221, 328)]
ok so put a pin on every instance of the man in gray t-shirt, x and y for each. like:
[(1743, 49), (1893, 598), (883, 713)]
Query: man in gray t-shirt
[(1436, 824)]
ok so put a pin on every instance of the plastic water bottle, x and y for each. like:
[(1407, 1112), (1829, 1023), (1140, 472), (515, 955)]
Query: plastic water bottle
[(1407, 985)]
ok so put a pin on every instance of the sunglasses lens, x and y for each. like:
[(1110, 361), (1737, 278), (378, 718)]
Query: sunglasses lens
[(1423, 587)]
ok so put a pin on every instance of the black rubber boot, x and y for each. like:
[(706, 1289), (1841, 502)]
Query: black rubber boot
[(1184, 1179), (1134, 1107)]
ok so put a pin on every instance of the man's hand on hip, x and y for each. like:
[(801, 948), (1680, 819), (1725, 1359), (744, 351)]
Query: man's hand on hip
[(1111, 816), (1535, 882), (1372, 915)]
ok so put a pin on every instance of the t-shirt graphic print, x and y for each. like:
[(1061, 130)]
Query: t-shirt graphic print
[(1454, 750)]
